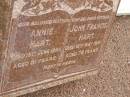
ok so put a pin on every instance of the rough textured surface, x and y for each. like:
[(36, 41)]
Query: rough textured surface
[(113, 79), (50, 46), (3, 21)]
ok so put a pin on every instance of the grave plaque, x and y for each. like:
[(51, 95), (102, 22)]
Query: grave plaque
[(51, 42)]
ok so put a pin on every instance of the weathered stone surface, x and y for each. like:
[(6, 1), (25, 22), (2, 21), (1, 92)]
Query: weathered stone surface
[(113, 80), (51, 42), (3, 23)]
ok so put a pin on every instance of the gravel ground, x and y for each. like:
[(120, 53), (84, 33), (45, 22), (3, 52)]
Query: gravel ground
[(113, 80)]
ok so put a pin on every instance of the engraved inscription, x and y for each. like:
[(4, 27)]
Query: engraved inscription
[(55, 39)]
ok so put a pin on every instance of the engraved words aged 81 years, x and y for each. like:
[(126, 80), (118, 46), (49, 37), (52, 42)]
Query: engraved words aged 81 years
[(54, 39)]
